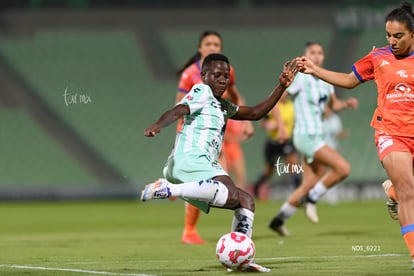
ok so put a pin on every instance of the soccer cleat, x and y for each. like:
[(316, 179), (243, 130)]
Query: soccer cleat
[(392, 205), (253, 267), (310, 211), (278, 226), (192, 238), (158, 190), (392, 208)]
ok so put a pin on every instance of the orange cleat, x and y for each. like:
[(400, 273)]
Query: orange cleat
[(192, 238)]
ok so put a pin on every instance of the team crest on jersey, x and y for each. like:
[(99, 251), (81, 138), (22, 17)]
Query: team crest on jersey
[(402, 73), (189, 97)]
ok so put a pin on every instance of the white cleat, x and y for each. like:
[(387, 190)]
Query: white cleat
[(310, 211), (392, 205), (158, 190), (253, 267)]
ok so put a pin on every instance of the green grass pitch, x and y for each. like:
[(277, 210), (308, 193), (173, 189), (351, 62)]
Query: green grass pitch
[(133, 238)]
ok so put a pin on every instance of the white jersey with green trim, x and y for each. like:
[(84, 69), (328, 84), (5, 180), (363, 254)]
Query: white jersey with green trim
[(203, 128), (310, 96)]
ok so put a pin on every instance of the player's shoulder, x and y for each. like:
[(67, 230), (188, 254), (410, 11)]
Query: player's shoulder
[(201, 88), (382, 51)]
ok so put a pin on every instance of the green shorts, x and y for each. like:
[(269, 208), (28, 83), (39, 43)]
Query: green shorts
[(308, 144), (192, 167)]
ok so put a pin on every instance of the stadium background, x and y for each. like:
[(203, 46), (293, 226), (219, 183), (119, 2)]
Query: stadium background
[(81, 79)]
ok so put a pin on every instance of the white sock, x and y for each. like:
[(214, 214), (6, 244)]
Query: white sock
[(317, 191), (211, 191), (243, 221), (286, 211)]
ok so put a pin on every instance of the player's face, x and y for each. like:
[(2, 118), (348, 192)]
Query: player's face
[(210, 44), (315, 53), (217, 76), (399, 38)]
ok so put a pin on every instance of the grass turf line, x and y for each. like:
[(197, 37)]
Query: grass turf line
[(127, 237)]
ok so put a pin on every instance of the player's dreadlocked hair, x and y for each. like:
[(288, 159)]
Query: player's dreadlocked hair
[(403, 14), (213, 57)]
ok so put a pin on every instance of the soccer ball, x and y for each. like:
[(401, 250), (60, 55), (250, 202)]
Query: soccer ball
[(234, 250)]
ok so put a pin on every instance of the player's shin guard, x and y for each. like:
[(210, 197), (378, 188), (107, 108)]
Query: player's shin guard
[(211, 191), (408, 233), (243, 221)]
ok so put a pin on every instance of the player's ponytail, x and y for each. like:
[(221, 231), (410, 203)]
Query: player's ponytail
[(403, 14), (197, 56), (190, 61)]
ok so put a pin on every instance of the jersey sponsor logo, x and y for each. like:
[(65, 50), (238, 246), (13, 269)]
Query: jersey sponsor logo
[(402, 93), (402, 87)]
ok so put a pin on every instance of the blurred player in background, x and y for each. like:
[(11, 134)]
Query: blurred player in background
[(279, 125), (210, 42), (310, 97), (232, 152), (193, 163), (392, 68), (334, 132)]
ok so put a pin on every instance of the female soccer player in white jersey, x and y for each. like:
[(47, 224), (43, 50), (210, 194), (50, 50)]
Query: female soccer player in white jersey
[(310, 96), (192, 170)]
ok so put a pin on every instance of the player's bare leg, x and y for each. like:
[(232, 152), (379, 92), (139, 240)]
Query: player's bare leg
[(399, 167), (266, 174), (190, 234), (310, 176), (339, 170)]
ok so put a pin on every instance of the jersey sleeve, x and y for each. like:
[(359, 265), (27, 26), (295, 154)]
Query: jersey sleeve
[(364, 68), (196, 98), (186, 82), (230, 107), (295, 86)]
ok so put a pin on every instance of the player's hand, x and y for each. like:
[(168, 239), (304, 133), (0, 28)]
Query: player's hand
[(248, 130), (352, 103), (305, 65), (151, 131), (288, 74)]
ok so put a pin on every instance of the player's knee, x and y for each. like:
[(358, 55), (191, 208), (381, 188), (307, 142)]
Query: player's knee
[(344, 169), (233, 199)]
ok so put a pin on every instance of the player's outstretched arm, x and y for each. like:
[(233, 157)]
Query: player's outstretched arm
[(338, 105), (258, 111), (344, 80), (166, 119)]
